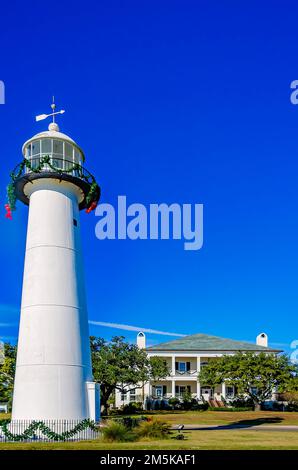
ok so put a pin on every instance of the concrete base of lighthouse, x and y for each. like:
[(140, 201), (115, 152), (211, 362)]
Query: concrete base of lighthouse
[(53, 374)]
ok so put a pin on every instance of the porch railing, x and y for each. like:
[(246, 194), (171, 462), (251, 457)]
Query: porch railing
[(186, 373)]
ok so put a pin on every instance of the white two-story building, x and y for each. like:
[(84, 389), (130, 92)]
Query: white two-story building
[(185, 357)]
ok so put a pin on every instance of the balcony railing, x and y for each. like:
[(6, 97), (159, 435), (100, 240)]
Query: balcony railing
[(52, 164), (186, 373), (66, 170)]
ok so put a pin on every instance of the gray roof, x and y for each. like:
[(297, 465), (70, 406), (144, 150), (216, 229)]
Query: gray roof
[(200, 342)]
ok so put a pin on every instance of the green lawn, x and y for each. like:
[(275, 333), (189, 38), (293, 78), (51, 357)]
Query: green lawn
[(221, 440), (227, 417)]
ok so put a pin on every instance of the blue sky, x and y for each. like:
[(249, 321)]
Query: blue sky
[(172, 101)]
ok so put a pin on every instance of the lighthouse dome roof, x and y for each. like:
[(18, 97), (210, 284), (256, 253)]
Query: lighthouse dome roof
[(53, 133)]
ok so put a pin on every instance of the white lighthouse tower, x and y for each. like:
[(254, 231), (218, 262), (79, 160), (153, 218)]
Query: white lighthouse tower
[(53, 375)]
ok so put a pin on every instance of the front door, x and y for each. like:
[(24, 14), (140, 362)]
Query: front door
[(158, 391), (207, 393)]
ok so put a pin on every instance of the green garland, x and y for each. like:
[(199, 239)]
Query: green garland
[(93, 193), (29, 433)]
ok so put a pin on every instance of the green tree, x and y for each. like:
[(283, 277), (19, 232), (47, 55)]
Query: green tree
[(7, 372), (118, 365), (255, 375)]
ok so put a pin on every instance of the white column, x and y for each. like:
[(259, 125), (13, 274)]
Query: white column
[(173, 388), (223, 390), (147, 387), (198, 383), (173, 365)]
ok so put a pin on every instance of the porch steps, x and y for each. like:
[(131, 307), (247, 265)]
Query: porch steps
[(220, 404), (216, 403), (213, 403)]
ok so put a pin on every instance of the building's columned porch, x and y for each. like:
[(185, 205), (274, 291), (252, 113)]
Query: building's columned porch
[(186, 365), (178, 388)]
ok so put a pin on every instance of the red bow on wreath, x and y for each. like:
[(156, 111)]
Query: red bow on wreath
[(91, 207), (8, 211)]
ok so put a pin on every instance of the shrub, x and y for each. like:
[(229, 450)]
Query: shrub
[(231, 408), (174, 402), (130, 422), (242, 402), (291, 398), (293, 406), (164, 405), (187, 400), (132, 408), (156, 405), (200, 406), (117, 432), (153, 428)]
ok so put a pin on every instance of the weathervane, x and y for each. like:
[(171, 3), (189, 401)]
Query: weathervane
[(41, 117)]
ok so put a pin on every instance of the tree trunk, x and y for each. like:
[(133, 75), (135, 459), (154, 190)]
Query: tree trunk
[(104, 409), (104, 405), (105, 395), (257, 406)]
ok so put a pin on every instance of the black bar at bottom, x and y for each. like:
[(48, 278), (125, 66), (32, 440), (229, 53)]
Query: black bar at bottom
[(139, 458)]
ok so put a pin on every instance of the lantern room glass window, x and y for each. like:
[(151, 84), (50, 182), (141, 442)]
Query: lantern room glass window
[(68, 151), (46, 146), (63, 154), (36, 147), (58, 147), (28, 151)]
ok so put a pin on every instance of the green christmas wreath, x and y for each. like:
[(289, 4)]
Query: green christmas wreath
[(93, 194), (29, 433)]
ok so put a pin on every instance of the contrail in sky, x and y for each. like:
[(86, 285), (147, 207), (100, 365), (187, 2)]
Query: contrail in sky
[(120, 326)]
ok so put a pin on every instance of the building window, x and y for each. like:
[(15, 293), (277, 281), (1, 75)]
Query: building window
[(182, 366), (181, 389), (230, 391), (123, 396)]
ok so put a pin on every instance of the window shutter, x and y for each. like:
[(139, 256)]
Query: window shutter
[(189, 388), (176, 388), (176, 365), (188, 366), (164, 390)]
